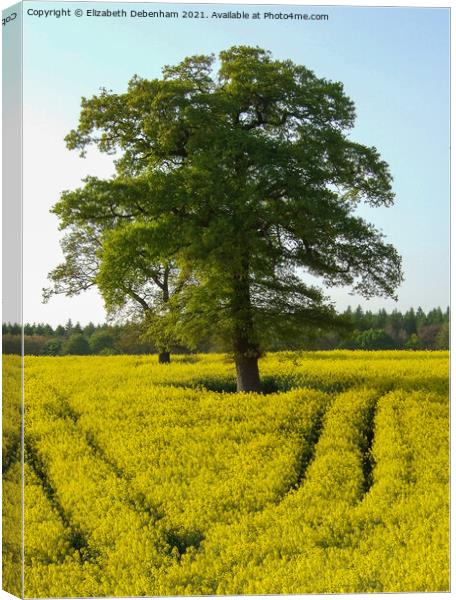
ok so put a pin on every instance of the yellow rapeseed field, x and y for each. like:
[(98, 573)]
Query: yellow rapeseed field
[(147, 479)]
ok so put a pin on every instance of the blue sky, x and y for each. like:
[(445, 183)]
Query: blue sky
[(394, 63)]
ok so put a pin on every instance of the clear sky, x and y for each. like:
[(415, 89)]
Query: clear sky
[(393, 62)]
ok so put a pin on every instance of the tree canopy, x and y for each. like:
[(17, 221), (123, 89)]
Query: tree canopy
[(234, 179)]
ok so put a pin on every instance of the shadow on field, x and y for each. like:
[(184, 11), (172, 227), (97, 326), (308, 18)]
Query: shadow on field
[(269, 385), (11, 454), (180, 540), (78, 541), (272, 384)]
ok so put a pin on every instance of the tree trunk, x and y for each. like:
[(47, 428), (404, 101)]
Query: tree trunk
[(248, 374), (164, 358), (246, 348)]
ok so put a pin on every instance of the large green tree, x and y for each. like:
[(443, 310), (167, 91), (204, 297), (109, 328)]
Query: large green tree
[(242, 175)]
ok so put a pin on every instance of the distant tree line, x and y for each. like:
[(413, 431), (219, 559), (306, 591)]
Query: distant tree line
[(44, 340), (411, 330), (366, 330)]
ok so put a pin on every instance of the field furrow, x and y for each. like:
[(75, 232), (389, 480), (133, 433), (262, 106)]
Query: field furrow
[(49, 537), (407, 507), (11, 528), (151, 482), (96, 502), (206, 450), (311, 521)]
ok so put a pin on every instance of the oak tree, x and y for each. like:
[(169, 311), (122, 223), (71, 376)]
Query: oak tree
[(240, 175)]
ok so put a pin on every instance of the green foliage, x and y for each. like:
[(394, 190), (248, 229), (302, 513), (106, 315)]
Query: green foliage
[(229, 184), (34, 344), (443, 337), (11, 343), (101, 341), (76, 344), (53, 347), (413, 343), (374, 339)]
